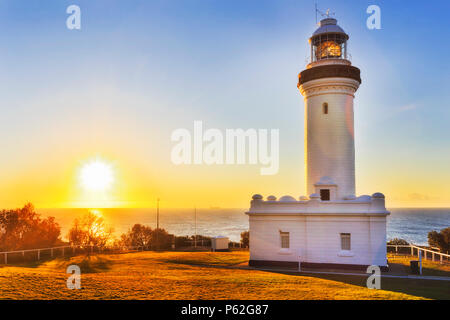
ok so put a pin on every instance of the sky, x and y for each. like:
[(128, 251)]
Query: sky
[(116, 89)]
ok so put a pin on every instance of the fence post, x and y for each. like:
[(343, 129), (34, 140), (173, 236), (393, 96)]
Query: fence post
[(432, 256), (51, 252), (396, 249), (39, 255), (441, 257), (23, 254), (6, 257), (412, 251), (420, 262), (63, 251)]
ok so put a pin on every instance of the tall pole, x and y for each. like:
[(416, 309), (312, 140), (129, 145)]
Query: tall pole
[(420, 262), (157, 223), (157, 213), (195, 224)]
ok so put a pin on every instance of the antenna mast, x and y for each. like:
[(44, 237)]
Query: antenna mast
[(327, 14), (316, 12)]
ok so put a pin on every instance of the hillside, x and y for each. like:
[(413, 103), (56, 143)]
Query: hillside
[(193, 275)]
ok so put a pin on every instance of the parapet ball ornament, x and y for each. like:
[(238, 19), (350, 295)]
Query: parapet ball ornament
[(271, 198), (378, 195), (257, 197), (314, 196), (287, 199), (364, 198)]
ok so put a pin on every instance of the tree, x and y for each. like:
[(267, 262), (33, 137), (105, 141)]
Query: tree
[(9, 221), (183, 241), (90, 230), (143, 236), (76, 235), (138, 236), (440, 239), (161, 239), (245, 239), (24, 229)]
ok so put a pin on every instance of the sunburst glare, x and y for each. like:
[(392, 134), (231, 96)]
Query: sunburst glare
[(96, 175)]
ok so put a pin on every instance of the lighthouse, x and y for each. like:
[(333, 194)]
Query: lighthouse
[(328, 85), (331, 226)]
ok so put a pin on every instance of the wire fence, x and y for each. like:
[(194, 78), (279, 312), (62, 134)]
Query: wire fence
[(28, 255)]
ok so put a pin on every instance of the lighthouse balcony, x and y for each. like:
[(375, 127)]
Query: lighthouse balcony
[(329, 71), (329, 61)]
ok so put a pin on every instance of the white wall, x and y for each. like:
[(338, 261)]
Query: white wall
[(317, 239), (329, 147), (265, 243)]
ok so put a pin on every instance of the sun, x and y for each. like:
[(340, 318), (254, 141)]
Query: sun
[(96, 175)]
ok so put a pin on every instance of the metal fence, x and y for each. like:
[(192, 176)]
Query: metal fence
[(413, 250), (62, 251), (66, 251)]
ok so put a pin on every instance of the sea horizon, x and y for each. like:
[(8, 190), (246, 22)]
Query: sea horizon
[(409, 223)]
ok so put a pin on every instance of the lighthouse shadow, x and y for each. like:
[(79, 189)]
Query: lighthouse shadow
[(430, 289)]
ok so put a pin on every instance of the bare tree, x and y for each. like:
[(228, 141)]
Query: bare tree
[(90, 230)]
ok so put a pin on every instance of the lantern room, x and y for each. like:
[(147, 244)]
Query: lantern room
[(329, 41)]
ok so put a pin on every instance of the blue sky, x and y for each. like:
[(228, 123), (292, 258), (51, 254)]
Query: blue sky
[(137, 70)]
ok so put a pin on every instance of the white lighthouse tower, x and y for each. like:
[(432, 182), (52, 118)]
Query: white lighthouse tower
[(328, 85), (330, 227)]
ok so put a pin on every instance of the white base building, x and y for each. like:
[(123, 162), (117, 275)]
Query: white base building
[(332, 227), (330, 234)]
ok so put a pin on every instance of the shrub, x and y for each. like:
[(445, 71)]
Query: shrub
[(245, 239), (398, 242), (440, 239)]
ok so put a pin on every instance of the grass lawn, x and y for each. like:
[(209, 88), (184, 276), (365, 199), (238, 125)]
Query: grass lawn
[(429, 268), (194, 275)]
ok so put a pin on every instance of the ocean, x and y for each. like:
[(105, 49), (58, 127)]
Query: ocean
[(411, 224)]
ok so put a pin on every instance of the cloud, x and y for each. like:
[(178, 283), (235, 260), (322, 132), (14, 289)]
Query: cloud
[(421, 197)]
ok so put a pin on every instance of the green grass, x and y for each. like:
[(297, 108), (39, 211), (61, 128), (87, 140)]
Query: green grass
[(194, 275)]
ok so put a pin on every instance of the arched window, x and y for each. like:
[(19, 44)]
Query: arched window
[(325, 108)]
